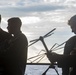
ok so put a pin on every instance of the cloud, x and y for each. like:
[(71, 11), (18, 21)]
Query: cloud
[(30, 20), (40, 17), (20, 10), (29, 7)]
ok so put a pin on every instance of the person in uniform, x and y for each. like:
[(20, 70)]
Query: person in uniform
[(68, 60), (16, 53)]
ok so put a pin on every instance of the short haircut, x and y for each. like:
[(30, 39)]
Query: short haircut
[(72, 20), (15, 20)]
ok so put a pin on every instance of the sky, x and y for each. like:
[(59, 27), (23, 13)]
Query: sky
[(38, 18)]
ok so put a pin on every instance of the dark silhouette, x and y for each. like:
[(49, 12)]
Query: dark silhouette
[(68, 60), (4, 38), (16, 53), (71, 43)]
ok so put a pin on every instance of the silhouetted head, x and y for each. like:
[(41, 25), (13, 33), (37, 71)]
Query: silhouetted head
[(14, 25), (72, 23)]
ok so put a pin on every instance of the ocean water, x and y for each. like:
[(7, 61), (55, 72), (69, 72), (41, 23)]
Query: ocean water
[(40, 69)]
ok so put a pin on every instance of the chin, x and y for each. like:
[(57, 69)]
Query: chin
[(74, 32)]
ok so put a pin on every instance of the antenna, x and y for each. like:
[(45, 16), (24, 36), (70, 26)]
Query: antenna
[(40, 38)]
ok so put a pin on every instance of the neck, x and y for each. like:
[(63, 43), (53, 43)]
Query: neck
[(17, 33)]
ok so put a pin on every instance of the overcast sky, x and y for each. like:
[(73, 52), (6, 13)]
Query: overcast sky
[(39, 17)]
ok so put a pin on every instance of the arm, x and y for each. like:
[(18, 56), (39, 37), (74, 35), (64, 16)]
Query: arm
[(63, 60), (70, 44)]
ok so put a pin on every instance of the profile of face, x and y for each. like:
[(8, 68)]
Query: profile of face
[(14, 25), (73, 26), (11, 28), (72, 23)]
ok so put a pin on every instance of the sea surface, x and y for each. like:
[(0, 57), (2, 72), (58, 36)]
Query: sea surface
[(40, 69)]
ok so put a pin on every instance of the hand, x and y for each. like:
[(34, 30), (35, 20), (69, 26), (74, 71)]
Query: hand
[(52, 56)]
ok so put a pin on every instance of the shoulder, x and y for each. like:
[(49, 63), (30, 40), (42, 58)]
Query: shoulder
[(23, 38), (4, 34), (73, 38)]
